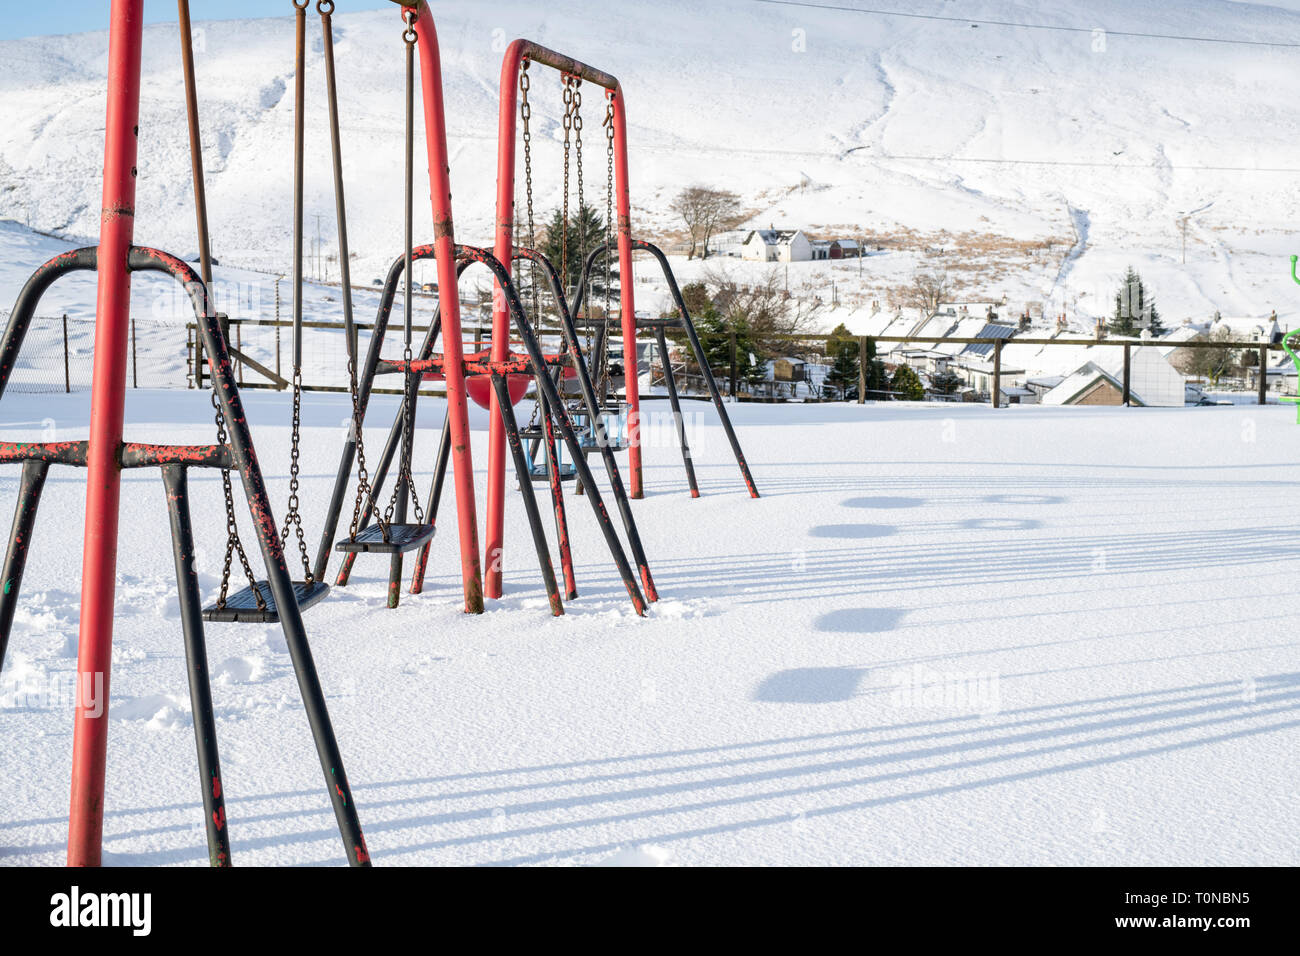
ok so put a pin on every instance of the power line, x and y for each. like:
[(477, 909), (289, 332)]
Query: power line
[(1024, 26), (1083, 163)]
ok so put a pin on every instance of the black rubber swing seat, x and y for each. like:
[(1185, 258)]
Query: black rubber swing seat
[(592, 447), (241, 607), (401, 538), (539, 473)]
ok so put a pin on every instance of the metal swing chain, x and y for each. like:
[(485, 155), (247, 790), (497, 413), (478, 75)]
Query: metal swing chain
[(364, 492), (233, 544), (325, 8), (526, 115), (577, 148), (603, 371), (404, 469), (408, 400), (609, 188), (293, 519), (564, 221)]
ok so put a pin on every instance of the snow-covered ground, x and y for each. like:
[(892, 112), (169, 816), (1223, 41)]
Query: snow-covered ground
[(945, 634)]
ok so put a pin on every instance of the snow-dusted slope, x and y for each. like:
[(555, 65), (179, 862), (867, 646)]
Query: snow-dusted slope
[(810, 115)]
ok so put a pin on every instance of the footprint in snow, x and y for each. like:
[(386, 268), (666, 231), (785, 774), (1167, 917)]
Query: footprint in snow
[(239, 670), (646, 855), (155, 711)]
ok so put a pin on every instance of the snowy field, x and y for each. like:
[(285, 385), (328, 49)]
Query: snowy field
[(945, 635)]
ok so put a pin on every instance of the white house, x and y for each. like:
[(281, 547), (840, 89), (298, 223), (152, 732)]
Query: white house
[(821, 248), (776, 245), (1246, 328)]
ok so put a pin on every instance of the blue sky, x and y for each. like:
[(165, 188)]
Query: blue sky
[(77, 16)]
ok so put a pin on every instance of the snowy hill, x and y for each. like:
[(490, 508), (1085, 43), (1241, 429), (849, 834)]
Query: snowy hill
[(1043, 161)]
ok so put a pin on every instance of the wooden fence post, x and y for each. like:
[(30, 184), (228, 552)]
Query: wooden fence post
[(1263, 375), (735, 369), (997, 372), (862, 369), (1128, 363)]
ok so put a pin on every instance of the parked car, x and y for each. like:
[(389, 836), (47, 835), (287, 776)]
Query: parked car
[(1195, 394)]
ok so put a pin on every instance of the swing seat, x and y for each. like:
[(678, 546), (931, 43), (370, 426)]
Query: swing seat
[(614, 420), (590, 446), (241, 607), (538, 472), (479, 388), (401, 538)]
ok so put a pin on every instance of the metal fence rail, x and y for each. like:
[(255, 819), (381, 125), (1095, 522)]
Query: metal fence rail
[(58, 355)]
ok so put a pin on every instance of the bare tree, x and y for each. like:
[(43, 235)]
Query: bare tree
[(1210, 364), (764, 308), (706, 211), (927, 291)]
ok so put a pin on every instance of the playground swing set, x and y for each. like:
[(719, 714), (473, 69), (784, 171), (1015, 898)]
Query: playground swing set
[(592, 422)]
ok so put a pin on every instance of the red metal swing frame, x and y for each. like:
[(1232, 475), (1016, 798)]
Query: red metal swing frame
[(516, 54)]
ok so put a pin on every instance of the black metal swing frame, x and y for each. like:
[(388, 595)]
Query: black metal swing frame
[(687, 325), (175, 462), (539, 366)]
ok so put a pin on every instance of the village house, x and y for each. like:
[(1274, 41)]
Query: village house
[(1152, 382), (776, 245), (794, 245)]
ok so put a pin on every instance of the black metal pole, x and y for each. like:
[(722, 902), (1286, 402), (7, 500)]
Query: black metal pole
[(435, 497), (529, 495), (556, 481), (689, 326), (176, 483), (135, 364), (671, 382), (20, 541), (67, 368)]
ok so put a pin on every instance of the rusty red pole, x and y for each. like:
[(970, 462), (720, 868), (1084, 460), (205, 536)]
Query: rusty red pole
[(444, 243), (506, 118), (103, 476), (632, 385), (504, 251)]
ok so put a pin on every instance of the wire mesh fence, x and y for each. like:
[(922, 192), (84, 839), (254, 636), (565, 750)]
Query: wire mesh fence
[(58, 355)]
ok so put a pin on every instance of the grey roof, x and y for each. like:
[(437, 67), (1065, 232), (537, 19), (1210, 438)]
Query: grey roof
[(990, 331)]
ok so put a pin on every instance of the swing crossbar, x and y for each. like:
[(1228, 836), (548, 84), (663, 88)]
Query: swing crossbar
[(242, 607), (478, 363), (130, 454)]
